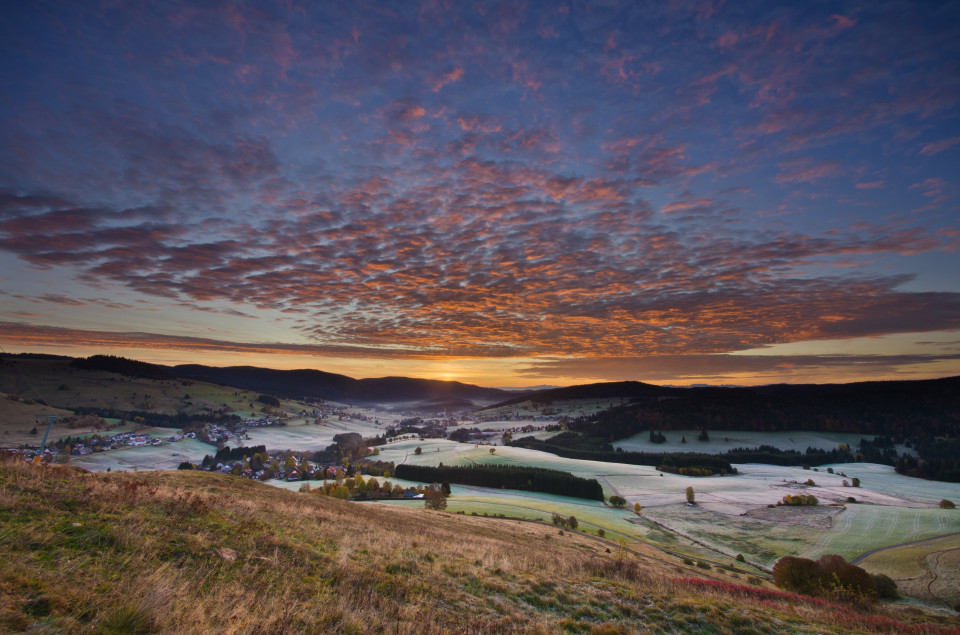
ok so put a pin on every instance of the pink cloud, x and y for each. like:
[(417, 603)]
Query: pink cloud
[(936, 147), (453, 76), (809, 173)]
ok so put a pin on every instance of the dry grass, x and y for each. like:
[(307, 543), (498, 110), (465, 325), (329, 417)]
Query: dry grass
[(929, 570), (192, 552)]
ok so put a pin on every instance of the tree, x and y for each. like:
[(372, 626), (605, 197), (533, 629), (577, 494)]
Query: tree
[(886, 587), (572, 522), (492, 450), (618, 501), (799, 575), (637, 508), (703, 436), (690, 496), (434, 498), (855, 482), (419, 450)]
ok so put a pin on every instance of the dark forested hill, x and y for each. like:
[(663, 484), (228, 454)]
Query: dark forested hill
[(322, 385), (893, 408), (627, 390)]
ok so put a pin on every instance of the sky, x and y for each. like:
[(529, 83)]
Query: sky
[(503, 193)]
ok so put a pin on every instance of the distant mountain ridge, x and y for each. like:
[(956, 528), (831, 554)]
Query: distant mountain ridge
[(627, 390), (323, 385)]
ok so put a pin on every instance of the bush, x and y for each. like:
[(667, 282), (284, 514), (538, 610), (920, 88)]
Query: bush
[(886, 587), (435, 498), (947, 504), (830, 575), (269, 400), (800, 499)]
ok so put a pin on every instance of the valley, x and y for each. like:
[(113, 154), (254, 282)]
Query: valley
[(890, 524)]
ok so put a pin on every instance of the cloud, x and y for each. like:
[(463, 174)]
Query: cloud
[(428, 179), (937, 147), (808, 172), (453, 76), (743, 369)]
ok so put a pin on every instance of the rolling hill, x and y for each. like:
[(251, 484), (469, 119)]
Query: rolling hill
[(194, 552)]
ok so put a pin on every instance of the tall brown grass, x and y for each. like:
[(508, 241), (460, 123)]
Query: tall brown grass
[(192, 552)]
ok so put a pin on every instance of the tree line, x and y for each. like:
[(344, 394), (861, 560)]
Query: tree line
[(691, 463), (531, 479), (122, 366), (180, 420)]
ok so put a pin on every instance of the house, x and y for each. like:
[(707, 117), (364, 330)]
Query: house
[(412, 494)]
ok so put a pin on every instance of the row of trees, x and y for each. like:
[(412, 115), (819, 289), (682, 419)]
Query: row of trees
[(180, 420), (531, 479), (939, 459), (771, 455), (122, 366), (704, 464)]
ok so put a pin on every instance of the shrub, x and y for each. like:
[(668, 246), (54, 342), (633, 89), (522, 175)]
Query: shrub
[(601, 533), (435, 498), (830, 575), (269, 400), (690, 495), (800, 499), (740, 558), (947, 504), (797, 574), (886, 587)]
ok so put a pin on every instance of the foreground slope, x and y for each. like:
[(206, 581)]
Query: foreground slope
[(193, 552)]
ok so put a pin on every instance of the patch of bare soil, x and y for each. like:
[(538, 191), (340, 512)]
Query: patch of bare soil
[(819, 516)]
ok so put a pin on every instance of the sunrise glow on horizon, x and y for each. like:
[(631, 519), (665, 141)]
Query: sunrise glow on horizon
[(499, 193)]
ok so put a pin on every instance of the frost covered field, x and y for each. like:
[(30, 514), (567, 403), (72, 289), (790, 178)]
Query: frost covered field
[(732, 516)]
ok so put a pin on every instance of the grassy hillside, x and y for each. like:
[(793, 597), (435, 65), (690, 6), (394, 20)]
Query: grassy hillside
[(62, 386), (192, 552)]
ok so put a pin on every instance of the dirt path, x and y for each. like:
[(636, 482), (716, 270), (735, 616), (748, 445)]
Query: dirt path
[(862, 556), (934, 569)]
